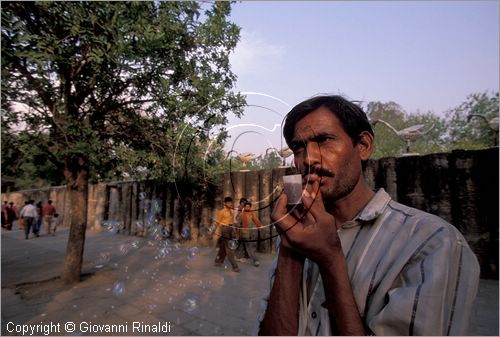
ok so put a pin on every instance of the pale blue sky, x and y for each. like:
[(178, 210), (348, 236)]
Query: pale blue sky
[(426, 55)]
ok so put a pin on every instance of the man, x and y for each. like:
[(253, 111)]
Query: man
[(355, 262), (247, 247), (28, 214), (37, 222), (224, 219), (48, 212), (4, 213), (11, 215)]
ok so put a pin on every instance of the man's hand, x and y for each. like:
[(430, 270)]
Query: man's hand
[(311, 231)]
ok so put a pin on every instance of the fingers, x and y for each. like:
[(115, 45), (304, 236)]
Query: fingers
[(282, 219), (313, 201), (280, 208)]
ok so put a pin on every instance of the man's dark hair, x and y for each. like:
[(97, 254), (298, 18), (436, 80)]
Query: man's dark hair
[(49, 202), (243, 200), (248, 204), (351, 116), (228, 199)]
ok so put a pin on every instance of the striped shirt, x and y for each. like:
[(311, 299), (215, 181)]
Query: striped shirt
[(411, 273)]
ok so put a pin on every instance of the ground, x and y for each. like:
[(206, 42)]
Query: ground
[(148, 280)]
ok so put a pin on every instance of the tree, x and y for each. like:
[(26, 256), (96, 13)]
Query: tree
[(268, 161), (110, 84), (453, 131), (388, 144), (465, 133), (26, 164)]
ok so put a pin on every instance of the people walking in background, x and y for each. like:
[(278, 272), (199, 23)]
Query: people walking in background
[(4, 213), (247, 247), (28, 214), (54, 222), (20, 220), (48, 212), (9, 215), (12, 211), (224, 219), (37, 222)]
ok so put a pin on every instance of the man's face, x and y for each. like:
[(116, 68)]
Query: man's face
[(229, 204), (247, 208), (324, 151)]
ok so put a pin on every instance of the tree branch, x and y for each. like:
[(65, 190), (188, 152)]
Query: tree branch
[(36, 85)]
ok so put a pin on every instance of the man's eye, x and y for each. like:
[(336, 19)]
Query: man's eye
[(323, 139), (297, 148)]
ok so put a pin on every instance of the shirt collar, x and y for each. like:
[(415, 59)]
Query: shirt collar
[(373, 209)]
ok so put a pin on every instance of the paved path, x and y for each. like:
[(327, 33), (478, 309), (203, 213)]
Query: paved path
[(145, 280)]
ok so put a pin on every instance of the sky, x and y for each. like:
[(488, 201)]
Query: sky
[(425, 56)]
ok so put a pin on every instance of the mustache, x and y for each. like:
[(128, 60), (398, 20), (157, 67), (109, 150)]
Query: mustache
[(319, 171)]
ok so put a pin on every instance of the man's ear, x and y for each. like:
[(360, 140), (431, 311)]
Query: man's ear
[(365, 145)]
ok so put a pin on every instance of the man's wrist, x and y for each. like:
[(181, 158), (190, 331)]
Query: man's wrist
[(334, 258)]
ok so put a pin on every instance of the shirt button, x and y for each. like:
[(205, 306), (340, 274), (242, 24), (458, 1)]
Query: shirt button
[(313, 315)]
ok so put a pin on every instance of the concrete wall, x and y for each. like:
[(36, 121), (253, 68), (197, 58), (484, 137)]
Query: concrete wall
[(461, 187)]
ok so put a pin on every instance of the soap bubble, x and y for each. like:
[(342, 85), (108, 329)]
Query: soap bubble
[(163, 252), (124, 248), (151, 307), (211, 228), (118, 288), (139, 225), (156, 206), (166, 232), (192, 252), (120, 225), (110, 226), (186, 233), (190, 304), (127, 247), (103, 258), (233, 244), (151, 218)]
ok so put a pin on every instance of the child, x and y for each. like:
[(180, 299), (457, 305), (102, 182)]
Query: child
[(53, 223)]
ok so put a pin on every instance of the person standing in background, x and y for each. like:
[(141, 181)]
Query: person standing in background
[(54, 222), (37, 222), (248, 247), (28, 214), (224, 220), (48, 212)]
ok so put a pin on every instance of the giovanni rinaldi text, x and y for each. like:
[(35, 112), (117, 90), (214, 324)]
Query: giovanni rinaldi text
[(50, 328)]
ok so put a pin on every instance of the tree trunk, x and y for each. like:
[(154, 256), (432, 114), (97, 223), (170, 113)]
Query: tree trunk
[(76, 173)]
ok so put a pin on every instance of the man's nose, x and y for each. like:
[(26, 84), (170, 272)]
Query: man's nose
[(312, 154)]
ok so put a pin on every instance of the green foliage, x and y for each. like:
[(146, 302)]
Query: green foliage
[(118, 82), (474, 133), (268, 161), (388, 144), (453, 131), (25, 162)]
